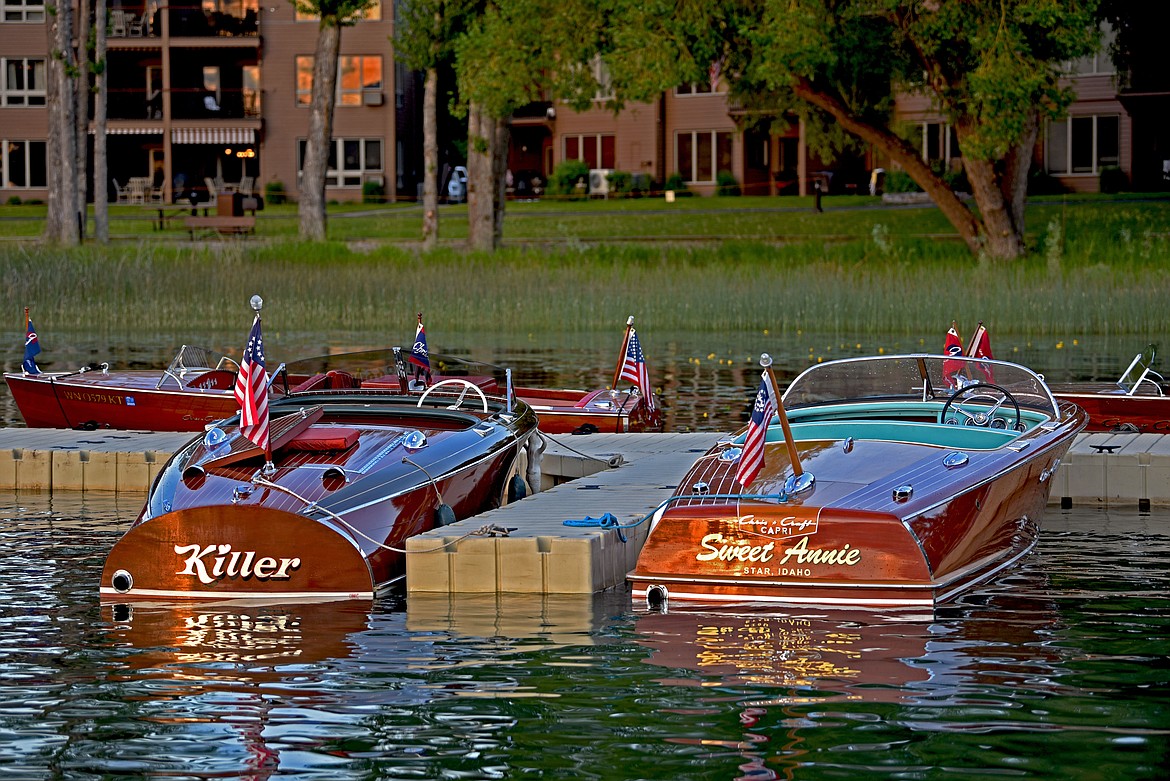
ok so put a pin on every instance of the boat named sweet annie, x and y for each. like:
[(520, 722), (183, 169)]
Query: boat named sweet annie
[(894, 481)]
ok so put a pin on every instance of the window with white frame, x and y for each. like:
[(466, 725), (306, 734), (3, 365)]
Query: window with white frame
[(709, 87), (939, 143), (597, 150), (22, 81), (351, 160), (23, 10), (1083, 144), (700, 154), (1099, 64), (356, 75), (22, 164)]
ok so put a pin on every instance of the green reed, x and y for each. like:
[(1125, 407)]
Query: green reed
[(713, 265)]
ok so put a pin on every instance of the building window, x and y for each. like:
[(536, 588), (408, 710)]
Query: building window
[(22, 82), (598, 150), (940, 143), (371, 14), (709, 87), (701, 154), (1099, 64), (22, 164), (1083, 145), (351, 160), (24, 10), (356, 76)]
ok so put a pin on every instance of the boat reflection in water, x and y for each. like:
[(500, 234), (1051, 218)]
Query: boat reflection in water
[(803, 680)]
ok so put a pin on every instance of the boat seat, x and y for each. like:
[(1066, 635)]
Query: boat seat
[(958, 437), (339, 380), (324, 438), (316, 382), (215, 379)]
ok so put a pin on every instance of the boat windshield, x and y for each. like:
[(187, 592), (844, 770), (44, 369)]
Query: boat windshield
[(380, 363), (913, 378), (192, 358), (1139, 371)]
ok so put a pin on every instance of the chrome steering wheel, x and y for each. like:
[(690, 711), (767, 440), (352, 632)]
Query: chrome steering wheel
[(984, 392), (455, 381)]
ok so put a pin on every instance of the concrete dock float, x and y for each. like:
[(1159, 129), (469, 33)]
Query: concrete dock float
[(526, 547)]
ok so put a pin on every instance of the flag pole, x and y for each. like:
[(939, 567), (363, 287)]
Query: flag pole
[(617, 372), (799, 481), (269, 468)]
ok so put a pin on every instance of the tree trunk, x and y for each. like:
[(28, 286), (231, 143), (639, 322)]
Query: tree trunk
[(311, 207), (101, 172), (61, 224), (974, 232), (480, 206), (81, 115), (1003, 240), (500, 135), (430, 204), (1014, 180)]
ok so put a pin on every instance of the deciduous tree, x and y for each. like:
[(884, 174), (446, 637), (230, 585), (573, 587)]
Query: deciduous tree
[(333, 16)]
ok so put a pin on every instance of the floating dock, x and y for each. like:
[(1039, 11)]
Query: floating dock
[(527, 546)]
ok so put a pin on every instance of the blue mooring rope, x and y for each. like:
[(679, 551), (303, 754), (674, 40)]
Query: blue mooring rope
[(610, 521)]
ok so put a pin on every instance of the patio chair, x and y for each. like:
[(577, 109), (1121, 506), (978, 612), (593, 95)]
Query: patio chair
[(118, 23), (122, 194), (212, 191), (246, 185)]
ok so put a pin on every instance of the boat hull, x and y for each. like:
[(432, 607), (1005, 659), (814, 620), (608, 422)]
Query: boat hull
[(591, 412), (1112, 410), (125, 400)]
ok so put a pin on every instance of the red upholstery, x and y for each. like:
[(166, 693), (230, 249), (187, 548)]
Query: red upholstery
[(324, 438)]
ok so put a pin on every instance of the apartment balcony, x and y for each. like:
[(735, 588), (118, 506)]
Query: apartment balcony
[(133, 26)]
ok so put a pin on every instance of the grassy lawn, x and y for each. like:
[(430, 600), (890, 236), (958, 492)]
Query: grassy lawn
[(1098, 266)]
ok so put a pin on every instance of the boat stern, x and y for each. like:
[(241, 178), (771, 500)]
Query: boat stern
[(782, 553), (229, 551)]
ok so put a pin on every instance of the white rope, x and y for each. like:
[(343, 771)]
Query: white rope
[(488, 530)]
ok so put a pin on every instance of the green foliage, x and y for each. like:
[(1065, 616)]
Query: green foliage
[(373, 192), (677, 184), (1113, 180), (274, 194), (898, 181), (13, 200), (620, 182), (566, 177), (726, 183)]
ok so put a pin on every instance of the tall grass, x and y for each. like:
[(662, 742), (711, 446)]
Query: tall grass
[(1099, 268)]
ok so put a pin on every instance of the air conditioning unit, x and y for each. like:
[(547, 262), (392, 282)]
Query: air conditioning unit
[(372, 97), (599, 181)]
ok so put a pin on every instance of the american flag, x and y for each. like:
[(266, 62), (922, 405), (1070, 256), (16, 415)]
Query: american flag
[(32, 346), (252, 389), (634, 368), (751, 458)]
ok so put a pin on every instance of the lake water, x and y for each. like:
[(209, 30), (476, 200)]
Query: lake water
[(707, 381), (1058, 671)]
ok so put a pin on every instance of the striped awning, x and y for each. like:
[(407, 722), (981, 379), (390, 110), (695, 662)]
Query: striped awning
[(213, 135), (123, 130)]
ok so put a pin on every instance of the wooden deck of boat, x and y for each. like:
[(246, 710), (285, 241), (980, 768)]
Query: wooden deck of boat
[(540, 553)]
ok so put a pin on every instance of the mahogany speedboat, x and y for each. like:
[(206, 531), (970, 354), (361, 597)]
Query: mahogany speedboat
[(607, 410), (194, 390), (892, 481), (352, 470), (1138, 401)]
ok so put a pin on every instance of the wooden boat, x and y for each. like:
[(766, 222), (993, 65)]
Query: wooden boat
[(192, 391), (196, 389), (1138, 401), (607, 410), (893, 481), (353, 471)]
